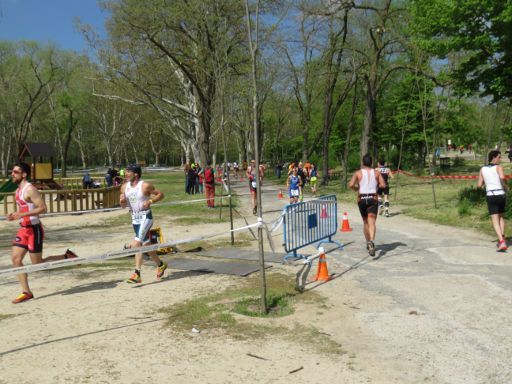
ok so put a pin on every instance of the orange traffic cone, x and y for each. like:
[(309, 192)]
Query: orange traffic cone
[(345, 225), (323, 273), (324, 214), (280, 194)]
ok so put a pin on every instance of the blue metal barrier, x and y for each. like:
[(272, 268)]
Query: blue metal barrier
[(310, 222)]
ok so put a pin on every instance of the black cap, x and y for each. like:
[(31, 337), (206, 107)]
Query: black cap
[(135, 168)]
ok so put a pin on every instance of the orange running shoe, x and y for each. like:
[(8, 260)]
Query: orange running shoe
[(160, 270), (134, 279), (23, 297)]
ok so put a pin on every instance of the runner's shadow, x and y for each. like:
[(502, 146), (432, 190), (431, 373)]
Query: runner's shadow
[(301, 278), (62, 339), (96, 286), (385, 248), (176, 276)]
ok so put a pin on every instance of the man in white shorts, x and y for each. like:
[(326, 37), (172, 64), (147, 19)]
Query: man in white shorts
[(294, 184), (138, 195)]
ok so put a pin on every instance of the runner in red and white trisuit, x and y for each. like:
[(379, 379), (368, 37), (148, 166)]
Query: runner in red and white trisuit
[(30, 235)]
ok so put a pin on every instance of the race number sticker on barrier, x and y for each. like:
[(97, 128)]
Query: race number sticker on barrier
[(310, 222)]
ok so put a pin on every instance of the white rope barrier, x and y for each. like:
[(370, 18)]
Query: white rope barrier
[(111, 255), (274, 226), (103, 210), (309, 259)]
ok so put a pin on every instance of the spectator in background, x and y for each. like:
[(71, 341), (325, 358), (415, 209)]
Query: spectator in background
[(200, 175), (87, 181), (313, 177), (301, 172), (191, 176), (198, 186), (509, 151), (186, 168), (108, 178), (209, 184)]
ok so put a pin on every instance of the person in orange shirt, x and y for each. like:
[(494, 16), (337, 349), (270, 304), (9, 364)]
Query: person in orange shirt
[(307, 168)]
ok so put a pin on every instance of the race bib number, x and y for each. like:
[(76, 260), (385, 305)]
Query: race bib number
[(294, 192), (138, 217), (253, 184)]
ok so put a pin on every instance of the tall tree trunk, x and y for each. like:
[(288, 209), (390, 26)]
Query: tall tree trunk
[(369, 120), (350, 128), (71, 125)]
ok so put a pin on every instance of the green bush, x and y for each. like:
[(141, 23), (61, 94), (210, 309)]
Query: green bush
[(472, 195), (459, 162), (464, 207)]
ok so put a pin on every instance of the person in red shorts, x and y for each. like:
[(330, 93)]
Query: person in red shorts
[(30, 235)]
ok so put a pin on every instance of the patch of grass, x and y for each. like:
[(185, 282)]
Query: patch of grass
[(464, 208), (317, 340), (191, 220), (242, 239), (278, 305), (230, 312)]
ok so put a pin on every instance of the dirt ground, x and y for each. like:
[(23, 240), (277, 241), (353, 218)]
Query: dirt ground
[(433, 307)]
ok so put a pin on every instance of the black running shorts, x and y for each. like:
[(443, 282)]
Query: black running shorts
[(496, 204), (368, 205), (383, 191)]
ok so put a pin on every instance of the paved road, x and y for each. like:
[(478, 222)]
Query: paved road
[(434, 306)]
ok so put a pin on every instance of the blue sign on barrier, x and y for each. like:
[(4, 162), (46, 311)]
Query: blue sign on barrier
[(310, 222)]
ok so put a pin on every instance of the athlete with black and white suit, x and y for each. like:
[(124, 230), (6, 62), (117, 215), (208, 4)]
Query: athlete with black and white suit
[(383, 193), (493, 177)]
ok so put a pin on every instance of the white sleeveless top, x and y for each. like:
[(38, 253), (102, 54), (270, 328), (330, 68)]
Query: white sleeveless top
[(368, 184), (492, 180), (135, 199)]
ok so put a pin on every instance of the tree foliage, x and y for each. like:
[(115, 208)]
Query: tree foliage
[(479, 31)]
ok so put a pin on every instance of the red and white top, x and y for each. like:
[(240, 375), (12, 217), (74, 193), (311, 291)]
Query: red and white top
[(25, 206)]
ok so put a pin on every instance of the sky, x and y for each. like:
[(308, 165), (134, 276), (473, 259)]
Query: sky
[(50, 21)]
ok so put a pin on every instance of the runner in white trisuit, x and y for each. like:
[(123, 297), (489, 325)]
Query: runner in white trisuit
[(138, 195)]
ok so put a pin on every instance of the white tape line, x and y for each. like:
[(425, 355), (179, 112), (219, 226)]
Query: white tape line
[(106, 256), (278, 222), (309, 259), (103, 210)]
